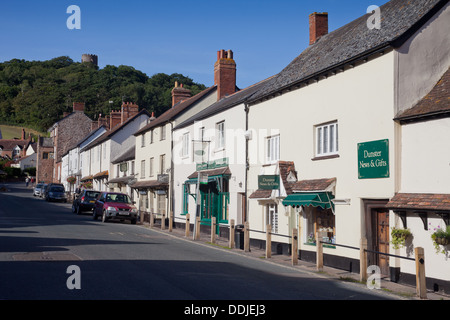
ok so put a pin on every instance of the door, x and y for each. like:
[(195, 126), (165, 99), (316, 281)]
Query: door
[(382, 239)]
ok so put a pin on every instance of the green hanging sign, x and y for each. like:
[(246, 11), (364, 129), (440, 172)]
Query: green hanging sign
[(373, 159), (269, 182)]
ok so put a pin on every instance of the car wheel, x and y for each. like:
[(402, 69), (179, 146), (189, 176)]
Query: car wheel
[(94, 215), (104, 219), (78, 211)]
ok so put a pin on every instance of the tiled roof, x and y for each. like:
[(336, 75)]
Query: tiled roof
[(420, 201), (10, 144), (175, 110), (435, 103), (400, 19), (285, 168), (313, 185), (212, 172)]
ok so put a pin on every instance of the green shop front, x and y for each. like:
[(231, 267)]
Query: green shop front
[(214, 195)]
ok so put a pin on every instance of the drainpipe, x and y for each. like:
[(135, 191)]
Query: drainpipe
[(246, 109), (171, 187)]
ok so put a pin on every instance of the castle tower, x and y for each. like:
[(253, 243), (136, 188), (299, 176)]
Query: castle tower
[(92, 58)]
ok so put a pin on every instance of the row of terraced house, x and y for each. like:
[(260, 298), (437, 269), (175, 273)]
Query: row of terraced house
[(348, 141)]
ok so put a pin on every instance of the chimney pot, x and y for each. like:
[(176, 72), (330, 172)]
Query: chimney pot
[(225, 74)]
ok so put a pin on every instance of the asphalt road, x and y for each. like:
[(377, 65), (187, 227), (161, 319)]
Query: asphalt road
[(39, 241)]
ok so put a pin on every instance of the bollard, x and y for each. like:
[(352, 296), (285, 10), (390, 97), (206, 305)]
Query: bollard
[(213, 226), (152, 219), (294, 247), (319, 253), (197, 229), (363, 260), (268, 241), (171, 222), (421, 286), (246, 237), (231, 242), (188, 225), (163, 221)]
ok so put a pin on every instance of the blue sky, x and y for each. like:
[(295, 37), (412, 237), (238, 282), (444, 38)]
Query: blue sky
[(171, 36)]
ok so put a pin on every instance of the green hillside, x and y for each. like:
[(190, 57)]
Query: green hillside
[(12, 132), (35, 94)]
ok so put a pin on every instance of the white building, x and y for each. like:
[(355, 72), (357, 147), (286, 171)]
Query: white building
[(325, 152)]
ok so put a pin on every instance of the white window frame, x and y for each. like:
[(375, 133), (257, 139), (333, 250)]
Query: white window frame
[(272, 216), (185, 145), (327, 139), (143, 140), (272, 149), (220, 135), (142, 168), (163, 132), (152, 166)]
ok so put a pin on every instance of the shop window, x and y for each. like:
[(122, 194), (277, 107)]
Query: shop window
[(320, 221), (327, 142), (272, 216)]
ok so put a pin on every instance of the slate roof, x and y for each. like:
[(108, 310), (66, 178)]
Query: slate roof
[(177, 109), (225, 103), (354, 41), (435, 104), (420, 201), (125, 156)]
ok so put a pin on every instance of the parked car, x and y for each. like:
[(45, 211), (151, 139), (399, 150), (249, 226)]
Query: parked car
[(55, 192), (43, 190), (85, 201), (115, 205), (37, 189)]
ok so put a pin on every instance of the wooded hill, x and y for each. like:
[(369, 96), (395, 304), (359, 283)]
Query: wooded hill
[(35, 94)]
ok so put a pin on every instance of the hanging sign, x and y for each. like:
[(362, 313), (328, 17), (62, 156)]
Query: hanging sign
[(373, 159), (269, 182)]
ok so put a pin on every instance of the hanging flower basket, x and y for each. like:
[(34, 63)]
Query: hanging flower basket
[(441, 237), (399, 237), (71, 179)]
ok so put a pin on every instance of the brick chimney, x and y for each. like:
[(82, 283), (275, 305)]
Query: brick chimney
[(129, 110), (115, 119), (78, 106), (225, 74), (318, 26), (179, 93)]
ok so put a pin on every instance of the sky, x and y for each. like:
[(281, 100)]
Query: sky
[(171, 36)]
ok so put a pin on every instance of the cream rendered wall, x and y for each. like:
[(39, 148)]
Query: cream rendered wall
[(361, 100), (234, 150)]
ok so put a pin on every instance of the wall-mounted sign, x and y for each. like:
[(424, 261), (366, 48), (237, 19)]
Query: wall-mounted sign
[(373, 159), (123, 166), (267, 182), (215, 164), (163, 178)]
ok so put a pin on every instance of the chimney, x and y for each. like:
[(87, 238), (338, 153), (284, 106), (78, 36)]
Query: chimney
[(179, 93), (318, 26), (115, 119), (78, 106), (23, 134), (225, 74), (129, 110)]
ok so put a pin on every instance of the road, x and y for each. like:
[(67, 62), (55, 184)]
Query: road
[(39, 241)]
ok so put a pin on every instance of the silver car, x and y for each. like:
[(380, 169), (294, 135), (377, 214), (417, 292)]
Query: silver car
[(38, 189)]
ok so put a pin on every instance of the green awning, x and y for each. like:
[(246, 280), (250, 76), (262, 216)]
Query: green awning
[(306, 199)]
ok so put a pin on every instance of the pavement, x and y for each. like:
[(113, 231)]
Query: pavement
[(403, 291)]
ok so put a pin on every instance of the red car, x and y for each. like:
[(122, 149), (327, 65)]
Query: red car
[(114, 205)]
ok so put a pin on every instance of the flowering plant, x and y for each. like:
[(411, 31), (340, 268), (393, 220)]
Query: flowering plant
[(71, 179), (399, 237), (440, 237)]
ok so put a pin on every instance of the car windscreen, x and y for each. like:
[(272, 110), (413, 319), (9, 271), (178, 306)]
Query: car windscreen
[(121, 198), (92, 194), (56, 189)]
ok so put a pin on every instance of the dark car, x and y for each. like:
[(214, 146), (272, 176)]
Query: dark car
[(85, 201), (55, 192), (44, 189), (114, 205)]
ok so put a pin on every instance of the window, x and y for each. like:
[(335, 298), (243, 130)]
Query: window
[(162, 163), (272, 216), (152, 160), (132, 167), (143, 169), (143, 140), (220, 135), (273, 149), (185, 146), (163, 133), (327, 139)]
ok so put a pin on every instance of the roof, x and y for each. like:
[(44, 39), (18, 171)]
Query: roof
[(354, 41), (435, 104), (313, 185), (113, 131), (149, 184), (176, 110), (125, 156), (420, 201), (211, 172), (10, 144), (225, 103), (285, 169)]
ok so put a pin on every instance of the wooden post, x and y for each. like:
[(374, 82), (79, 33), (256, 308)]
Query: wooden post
[(294, 247), (163, 221), (319, 253), (246, 237), (232, 231), (363, 260), (268, 241), (152, 219), (213, 231), (171, 222), (188, 225), (197, 229), (421, 286)]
